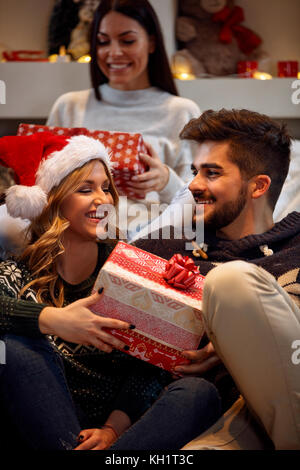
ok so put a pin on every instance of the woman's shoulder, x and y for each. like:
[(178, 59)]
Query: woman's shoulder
[(73, 97), (13, 275), (180, 103), (14, 268)]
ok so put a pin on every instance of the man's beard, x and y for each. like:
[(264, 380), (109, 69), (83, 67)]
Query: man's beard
[(227, 213)]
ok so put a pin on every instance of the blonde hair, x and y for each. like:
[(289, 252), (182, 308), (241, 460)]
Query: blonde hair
[(46, 242)]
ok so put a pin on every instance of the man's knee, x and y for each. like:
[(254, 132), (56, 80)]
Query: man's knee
[(230, 274), (232, 289)]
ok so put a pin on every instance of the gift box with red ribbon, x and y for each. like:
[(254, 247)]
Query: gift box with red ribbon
[(123, 147), (161, 298)]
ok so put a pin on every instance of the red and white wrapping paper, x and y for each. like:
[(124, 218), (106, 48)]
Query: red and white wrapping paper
[(124, 149), (168, 320)]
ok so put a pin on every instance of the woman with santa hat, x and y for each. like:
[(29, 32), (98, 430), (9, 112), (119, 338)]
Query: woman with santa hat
[(63, 372)]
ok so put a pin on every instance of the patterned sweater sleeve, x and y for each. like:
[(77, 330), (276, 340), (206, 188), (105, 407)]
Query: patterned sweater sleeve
[(17, 316)]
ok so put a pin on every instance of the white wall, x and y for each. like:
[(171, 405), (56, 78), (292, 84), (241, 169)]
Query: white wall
[(278, 24), (24, 23)]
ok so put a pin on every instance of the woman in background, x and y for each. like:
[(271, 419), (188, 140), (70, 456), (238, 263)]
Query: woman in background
[(134, 91)]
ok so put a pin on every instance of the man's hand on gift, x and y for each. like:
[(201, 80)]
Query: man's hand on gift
[(202, 361), (155, 179)]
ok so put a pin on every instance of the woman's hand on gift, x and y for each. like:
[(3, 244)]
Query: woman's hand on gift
[(155, 179), (202, 361), (78, 324)]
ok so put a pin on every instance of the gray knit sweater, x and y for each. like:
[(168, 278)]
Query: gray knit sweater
[(156, 114)]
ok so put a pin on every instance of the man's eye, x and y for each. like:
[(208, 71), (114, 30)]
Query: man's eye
[(212, 173)]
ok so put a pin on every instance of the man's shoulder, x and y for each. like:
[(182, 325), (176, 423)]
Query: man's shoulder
[(164, 242)]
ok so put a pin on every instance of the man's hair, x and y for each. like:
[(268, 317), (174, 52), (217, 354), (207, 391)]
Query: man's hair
[(257, 144)]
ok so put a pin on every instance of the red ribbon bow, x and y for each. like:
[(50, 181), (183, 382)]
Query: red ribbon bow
[(181, 272), (246, 38)]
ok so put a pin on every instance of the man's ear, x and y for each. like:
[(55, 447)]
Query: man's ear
[(260, 185)]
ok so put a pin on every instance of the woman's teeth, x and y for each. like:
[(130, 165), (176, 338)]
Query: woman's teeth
[(93, 216), (118, 66)]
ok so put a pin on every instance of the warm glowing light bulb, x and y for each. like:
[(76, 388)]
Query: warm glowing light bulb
[(84, 59), (262, 75)]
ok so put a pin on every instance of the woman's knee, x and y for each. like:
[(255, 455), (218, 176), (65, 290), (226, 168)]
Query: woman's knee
[(195, 392), (23, 350)]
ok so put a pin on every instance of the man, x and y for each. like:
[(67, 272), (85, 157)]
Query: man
[(252, 289)]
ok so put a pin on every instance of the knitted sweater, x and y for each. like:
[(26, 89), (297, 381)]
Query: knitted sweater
[(156, 114), (283, 239), (99, 382)]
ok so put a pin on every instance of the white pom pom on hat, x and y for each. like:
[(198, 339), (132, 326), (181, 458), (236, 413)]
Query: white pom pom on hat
[(40, 162)]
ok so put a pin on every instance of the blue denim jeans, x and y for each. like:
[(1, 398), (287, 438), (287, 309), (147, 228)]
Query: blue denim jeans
[(188, 407), (34, 395), (37, 402)]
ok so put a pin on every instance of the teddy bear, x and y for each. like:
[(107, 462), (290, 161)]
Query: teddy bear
[(79, 42), (211, 38), (69, 26)]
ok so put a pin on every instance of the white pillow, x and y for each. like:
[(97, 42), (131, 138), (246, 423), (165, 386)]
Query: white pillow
[(289, 199)]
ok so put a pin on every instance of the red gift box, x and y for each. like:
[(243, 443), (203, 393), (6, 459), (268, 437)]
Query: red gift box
[(167, 320), (123, 147), (246, 68), (287, 68)]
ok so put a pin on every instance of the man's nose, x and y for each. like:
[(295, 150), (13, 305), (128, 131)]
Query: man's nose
[(197, 184)]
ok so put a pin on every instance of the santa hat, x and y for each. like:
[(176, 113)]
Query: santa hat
[(40, 162)]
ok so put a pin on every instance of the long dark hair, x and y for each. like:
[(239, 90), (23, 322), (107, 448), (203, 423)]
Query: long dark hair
[(160, 74)]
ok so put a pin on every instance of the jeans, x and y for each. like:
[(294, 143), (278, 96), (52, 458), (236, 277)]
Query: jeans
[(34, 396), (37, 402), (186, 408)]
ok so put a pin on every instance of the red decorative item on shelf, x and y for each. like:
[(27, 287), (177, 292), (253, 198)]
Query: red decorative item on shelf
[(24, 56), (167, 320), (246, 68), (124, 149), (247, 40), (287, 68), (181, 272)]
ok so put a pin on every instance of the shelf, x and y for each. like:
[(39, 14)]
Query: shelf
[(32, 88), (271, 97)]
